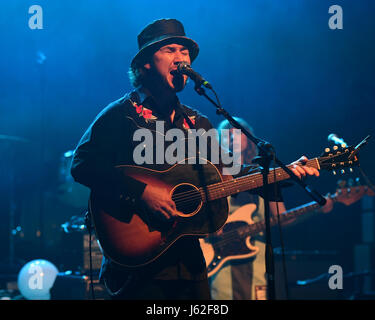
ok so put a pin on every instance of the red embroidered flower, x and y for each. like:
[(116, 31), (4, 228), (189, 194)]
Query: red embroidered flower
[(144, 112), (138, 108), (186, 125), (147, 114)]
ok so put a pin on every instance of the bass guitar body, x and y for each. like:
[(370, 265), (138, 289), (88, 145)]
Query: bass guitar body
[(227, 244)]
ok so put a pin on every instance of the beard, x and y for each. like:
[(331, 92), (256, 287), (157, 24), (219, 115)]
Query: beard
[(178, 81), (155, 80)]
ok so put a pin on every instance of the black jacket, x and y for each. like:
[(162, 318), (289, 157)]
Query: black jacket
[(108, 142)]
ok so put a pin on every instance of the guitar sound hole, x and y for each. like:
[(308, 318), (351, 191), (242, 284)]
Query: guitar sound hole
[(187, 198)]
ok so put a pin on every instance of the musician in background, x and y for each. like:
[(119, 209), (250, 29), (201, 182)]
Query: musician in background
[(246, 279), (180, 272)]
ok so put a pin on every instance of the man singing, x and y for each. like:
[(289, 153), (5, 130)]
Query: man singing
[(180, 272)]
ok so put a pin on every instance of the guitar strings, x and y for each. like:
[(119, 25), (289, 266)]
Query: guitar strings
[(215, 189), (242, 181), (188, 197), (235, 234), (193, 195)]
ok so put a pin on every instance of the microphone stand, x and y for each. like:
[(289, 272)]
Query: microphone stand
[(266, 155)]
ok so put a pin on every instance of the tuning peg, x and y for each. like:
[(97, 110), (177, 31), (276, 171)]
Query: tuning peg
[(342, 171), (334, 172), (351, 169), (327, 150), (335, 148)]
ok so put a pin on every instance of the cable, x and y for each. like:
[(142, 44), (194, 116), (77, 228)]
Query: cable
[(88, 225), (278, 215), (216, 96), (281, 241)]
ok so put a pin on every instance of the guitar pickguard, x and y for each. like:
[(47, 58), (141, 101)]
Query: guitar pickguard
[(227, 245)]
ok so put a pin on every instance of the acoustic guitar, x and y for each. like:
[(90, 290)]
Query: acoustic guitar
[(130, 239)]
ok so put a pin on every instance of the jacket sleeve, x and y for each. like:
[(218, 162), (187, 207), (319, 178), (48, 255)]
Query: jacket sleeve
[(93, 163)]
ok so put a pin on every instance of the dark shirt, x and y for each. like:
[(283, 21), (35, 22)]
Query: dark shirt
[(108, 142)]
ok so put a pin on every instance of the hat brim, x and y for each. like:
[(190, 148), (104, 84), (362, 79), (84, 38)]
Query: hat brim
[(151, 48)]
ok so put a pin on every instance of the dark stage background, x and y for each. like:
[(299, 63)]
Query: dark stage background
[(277, 64)]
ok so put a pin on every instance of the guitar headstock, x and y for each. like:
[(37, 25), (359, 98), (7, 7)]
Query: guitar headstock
[(339, 158), (349, 192)]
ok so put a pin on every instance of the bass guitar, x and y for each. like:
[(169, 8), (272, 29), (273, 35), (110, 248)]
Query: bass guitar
[(233, 242)]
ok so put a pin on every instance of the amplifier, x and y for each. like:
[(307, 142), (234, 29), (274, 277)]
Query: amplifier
[(311, 267), (96, 253), (77, 287)]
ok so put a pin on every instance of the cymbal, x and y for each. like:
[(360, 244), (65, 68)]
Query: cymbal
[(12, 138)]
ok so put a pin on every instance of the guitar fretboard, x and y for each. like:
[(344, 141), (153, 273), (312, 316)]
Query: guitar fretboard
[(248, 182), (256, 228)]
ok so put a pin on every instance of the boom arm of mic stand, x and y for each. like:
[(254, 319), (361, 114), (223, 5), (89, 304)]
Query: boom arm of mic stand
[(266, 152)]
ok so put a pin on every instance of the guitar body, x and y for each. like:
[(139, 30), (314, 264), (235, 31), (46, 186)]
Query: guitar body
[(129, 237), (227, 245)]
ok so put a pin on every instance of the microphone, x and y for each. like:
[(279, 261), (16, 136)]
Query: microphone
[(335, 139), (184, 68)]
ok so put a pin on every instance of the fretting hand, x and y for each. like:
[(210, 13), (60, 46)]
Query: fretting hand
[(301, 170)]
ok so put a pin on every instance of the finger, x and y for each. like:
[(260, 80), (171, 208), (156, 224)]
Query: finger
[(311, 171), (308, 170), (172, 204), (303, 160), (315, 172), (298, 169), (172, 211), (163, 214), (296, 172)]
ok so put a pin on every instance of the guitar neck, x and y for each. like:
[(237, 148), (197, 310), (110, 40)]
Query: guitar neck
[(256, 228), (247, 182)]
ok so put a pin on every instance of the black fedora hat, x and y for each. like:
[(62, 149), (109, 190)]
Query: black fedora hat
[(159, 33)]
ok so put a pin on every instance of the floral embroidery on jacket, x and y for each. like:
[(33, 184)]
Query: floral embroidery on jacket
[(143, 112), (186, 125)]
